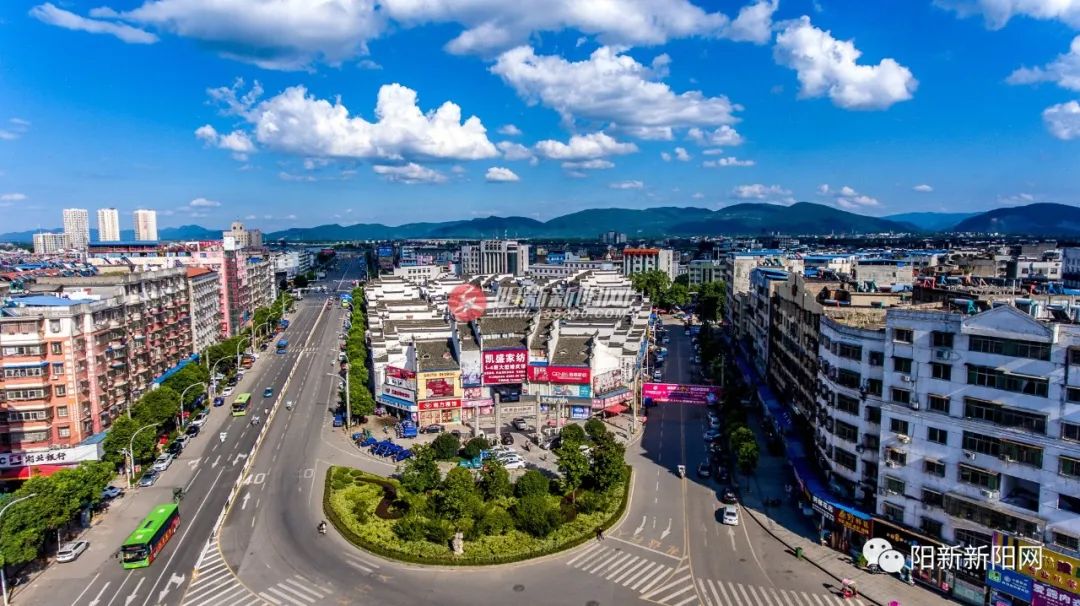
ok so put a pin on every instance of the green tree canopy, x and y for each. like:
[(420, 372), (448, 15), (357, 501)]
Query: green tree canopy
[(608, 462), (420, 472), (536, 515), (573, 465), (652, 283), (747, 457), (457, 497), (495, 481), (446, 446), (532, 482), (595, 428), (712, 301), (572, 433), (676, 295)]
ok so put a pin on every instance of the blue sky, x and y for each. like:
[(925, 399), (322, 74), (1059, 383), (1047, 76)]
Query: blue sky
[(296, 112)]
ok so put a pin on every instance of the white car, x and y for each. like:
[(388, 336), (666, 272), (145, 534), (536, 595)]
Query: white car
[(711, 435), (731, 515), (162, 462), (657, 375), (199, 420), (500, 450), (517, 463), (228, 392), (69, 552)]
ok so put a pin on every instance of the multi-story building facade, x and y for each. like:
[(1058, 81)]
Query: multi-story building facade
[(108, 221), (702, 271), (495, 257), (204, 299), (735, 270), (292, 263), (636, 260), (49, 243), (77, 227), (145, 225), (242, 238), (76, 354)]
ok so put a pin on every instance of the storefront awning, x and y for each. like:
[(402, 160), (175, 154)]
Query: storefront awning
[(25, 473), (615, 409)]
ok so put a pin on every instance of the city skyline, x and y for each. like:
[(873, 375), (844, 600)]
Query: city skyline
[(955, 107)]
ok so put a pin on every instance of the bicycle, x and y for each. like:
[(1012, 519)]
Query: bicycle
[(178, 494)]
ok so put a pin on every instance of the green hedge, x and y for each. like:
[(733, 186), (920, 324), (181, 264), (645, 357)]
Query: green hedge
[(378, 535)]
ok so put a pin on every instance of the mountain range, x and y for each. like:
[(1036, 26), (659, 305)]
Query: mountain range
[(801, 218)]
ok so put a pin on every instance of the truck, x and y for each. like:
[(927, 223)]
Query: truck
[(282, 346)]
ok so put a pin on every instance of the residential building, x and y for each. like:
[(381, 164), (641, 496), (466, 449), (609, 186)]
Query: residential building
[(1070, 267), (636, 260), (237, 237), (613, 237), (495, 257), (204, 299), (419, 273), (883, 273), (292, 263), (702, 271), (49, 243), (735, 270), (108, 221), (1025, 268), (145, 225), (77, 227)]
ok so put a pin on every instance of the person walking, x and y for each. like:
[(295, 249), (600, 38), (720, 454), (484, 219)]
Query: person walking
[(599, 533)]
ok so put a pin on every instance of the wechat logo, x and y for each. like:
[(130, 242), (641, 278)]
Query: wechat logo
[(880, 553)]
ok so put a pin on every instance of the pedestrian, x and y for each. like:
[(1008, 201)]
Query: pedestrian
[(599, 533)]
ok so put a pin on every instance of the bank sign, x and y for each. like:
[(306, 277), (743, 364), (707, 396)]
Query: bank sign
[(60, 456)]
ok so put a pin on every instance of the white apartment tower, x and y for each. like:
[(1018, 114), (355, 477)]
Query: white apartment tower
[(108, 224), (77, 227), (145, 225), (49, 243)]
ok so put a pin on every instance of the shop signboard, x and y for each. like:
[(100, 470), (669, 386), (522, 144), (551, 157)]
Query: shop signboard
[(564, 401), (479, 403), (607, 382), (573, 375), (59, 456), (401, 373), (503, 366), (610, 400), (517, 410), (853, 522), (823, 507), (680, 393), (387, 400), (440, 404), (470, 368), (1046, 595), (437, 388), (1041, 563), (575, 391), (580, 412), (475, 393), (1010, 582), (434, 385), (397, 392)]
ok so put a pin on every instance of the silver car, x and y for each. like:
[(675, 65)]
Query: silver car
[(69, 552)]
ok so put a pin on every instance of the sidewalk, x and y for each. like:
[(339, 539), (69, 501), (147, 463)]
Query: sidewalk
[(787, 525)]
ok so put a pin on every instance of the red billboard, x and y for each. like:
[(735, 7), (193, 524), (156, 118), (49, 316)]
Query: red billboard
[(440, 404), (399, 373), (573, 375), (679, 393), (505, 366), (438, 388)]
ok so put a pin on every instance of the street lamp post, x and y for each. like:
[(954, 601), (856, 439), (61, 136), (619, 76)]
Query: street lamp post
[(213, 373), (131, 452), (348, 403), (239, 345), (3, 579), (184, 393)]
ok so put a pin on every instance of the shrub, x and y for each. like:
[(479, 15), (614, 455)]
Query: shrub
[(532, 483), (595, 428), (591, 501), (495, 482), (361, 511), (495, 522), (411, 528), (572, 433), (446, 446), (473, 447), (439, 531), (535, 515)]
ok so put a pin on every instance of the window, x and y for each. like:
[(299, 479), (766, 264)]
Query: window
[(933, 498), (846, 432), (27, 415), (898, 457), (23, 371), (59, 390), (930, 527), (979, 477), (54, 325), (848, 378), (851, 352), (1070, 431), (56, 347), (1072, 394), (934, 468), (873, 414), (937, 435), (58, 368), (1009, 347), (898, 426), (1068, 466), (844, 458), (874, 387), (871, 441), (895, 485), (893, 512), (25, 394), (876, 358), (903, 335), (22, 350), (941, 339), (903, 396), (1066, 541), (847, 404), (64, 432), (1074, 357), (939, 404), (1067, 503), (62, 411), (941, 371), (902, 365), (997, 379), (981, 410)]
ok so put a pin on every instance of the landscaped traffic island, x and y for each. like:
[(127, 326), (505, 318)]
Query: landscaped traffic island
[(478, 517)]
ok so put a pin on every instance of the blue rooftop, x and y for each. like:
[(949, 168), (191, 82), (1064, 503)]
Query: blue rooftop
[(46, 301)]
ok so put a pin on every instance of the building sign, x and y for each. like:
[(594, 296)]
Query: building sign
[(505, 366), (1010, 582), (402, 377), (574, 391), (852, 522), (388, 400), (397, 392), (517, 410), (402, 383), (823, 507), (1041, 563), (1045, 595), (441, 374), (435, 385), (438, 388), (475, 393), (565, 401), (470, 369), (59, 456), (607, 382), (680, 393), (440, 404), (580, 412), (574, 375), (611, 400), (478, 403)]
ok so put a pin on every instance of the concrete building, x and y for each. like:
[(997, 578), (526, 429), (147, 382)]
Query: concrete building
[(238, 237), (1070, 267), (204, 298), (79, 351), (735, 271), (292, 263), (613, 237), (77, 227), (145, 225), (1025, 268), (636, 260), (108, 221), (419, 273), (495, 257), (49, 244), (883, 273), (702, 271), (567, 269)]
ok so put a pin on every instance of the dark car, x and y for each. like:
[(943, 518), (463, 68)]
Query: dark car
[(507, 439), (264, 347), (703, 469), (192, 430), (219, 401), (722, 475), (175, 448), (729, 498), (434, 428)]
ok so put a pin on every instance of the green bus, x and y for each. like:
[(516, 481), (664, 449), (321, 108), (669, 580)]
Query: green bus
[(150, 537), (240, 404)]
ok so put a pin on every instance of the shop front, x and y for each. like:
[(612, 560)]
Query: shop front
[(615, 402), (398, 407), (439, 411), (1048, 595), (1008, 587), (565, 407), (476, 402), (1053, 577), (908, 542)]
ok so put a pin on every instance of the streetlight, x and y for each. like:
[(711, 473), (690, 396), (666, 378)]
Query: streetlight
[(348, 403), (131, 452), (213, 373), (3, 580), (184, 393), (239, 345)]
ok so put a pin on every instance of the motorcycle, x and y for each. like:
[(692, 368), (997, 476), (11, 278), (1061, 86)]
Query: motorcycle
[(682, 471), (322, 527)]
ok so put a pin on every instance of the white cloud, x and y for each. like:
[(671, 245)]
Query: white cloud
[(759, 191), (409, 173), (13, 197), (203, 203), (498, 174), (1063, 120), (237, 141), (298, 123), (595, 164), (250, 218), (724, 136), (1063, 71), (827, 66), (584, 147), (682, 155), (516, 151), (631, 184), (290, 217), (610, 88), (698, 196), (923, 188), (847, 197), (6, 135), (19, 123), (577, 174), (49, 13), (726, 162), (509, 130), (493, 25), (368, 64), (1021, 198), (997, 13), (665, 156)]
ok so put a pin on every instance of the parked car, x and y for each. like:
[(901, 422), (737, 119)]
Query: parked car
[(163, 461), (69, 552), (339, 420), (111, 492), (520, 424), (193, 430), (228, 391), (729, 498), (148, 478), (518, 463), (710, 435), (175, 449), (219, 401), (199, 420), (507, 438), (703, 469), (657, 375), (731, 515), (435, 428)]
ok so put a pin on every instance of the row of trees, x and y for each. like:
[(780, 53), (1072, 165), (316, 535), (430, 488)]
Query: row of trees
[(360, 397), (660, 290)]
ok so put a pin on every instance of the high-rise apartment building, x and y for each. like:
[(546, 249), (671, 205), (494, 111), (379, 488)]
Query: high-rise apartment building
[(204, 298), (145, 225), (238, 237), (49, 244), (77, 227), (108, 224)]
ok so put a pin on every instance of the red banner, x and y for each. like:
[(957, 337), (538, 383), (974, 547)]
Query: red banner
[(679, 393), (505, 366), (440, 404), (399, 373), (437, 388), (573, 375)]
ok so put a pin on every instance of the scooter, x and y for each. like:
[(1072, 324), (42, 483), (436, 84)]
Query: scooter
[(682, 471)]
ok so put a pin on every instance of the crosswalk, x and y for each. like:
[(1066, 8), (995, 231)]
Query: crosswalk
[(214, 584), (673, 583)]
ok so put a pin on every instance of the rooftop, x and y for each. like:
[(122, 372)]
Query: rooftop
[(435, 355), (571, 351)]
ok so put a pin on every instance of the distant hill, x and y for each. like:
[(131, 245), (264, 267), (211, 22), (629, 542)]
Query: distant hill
[(184, 232), (931, 221), (1043, 219)]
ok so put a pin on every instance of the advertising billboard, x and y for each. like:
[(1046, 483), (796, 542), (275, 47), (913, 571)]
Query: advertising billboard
[(680, 393), (440, 404), (505, 366), (59, 456), (385, 251), (607, 382), (573, 375), (574, 391), (470, 368)]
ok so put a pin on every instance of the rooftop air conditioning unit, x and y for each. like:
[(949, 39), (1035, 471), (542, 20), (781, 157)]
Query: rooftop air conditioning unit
[(904, 438), (990, 494)]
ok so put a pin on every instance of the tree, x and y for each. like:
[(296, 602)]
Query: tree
[(300, 282), (421, 472), (118, 439), (608, 462), (747, 456), (532, 483), (712, 301), (457, 497), (572, 433), (495, 481), (739, 436), (573, 465), (595, 428), (676, 295), (158, 406), (684, 279), (446, 446), (473, 447), (652, 283), (536, 515)]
